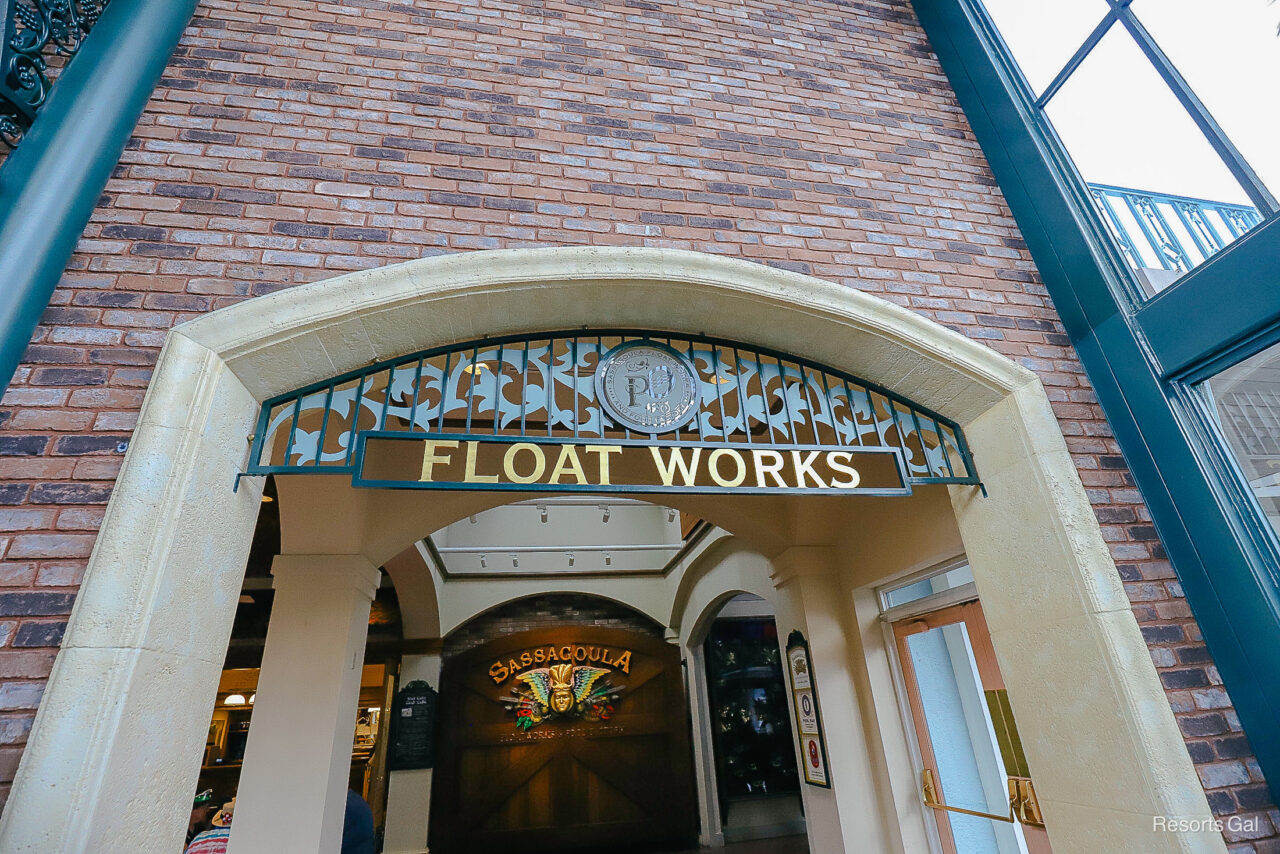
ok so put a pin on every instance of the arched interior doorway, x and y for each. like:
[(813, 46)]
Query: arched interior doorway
[(145, 643), (562, 727), (736, 657)]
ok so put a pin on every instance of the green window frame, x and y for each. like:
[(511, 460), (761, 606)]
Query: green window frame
[(1144, 356)]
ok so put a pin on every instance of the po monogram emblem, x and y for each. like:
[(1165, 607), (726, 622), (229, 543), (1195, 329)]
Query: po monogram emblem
[(647, 387)]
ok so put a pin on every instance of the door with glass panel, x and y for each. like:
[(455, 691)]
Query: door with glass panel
[(975, 779)]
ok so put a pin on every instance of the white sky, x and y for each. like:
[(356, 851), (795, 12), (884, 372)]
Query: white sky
[(1118, 120)]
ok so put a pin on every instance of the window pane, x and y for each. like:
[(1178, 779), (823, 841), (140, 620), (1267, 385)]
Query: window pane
[(1165, 194), (925, 587), (1223, 49), (1043, 34), (1246, 400)]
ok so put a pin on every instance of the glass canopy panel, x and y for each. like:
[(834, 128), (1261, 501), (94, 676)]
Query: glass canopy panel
[(1167, 198), (1229, 54), (1044, 34), (1246, 401)]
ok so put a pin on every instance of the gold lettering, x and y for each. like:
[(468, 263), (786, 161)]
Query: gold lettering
[(526, 658), (675, 460), (498, 672), (470, 475), (566, 653), (804, 466), (568, 462), (511, 664), (854, 477), (429, 457), (580, 653), (594, 654), (713, 467), (773, 467), (551, 654), (509, 462), (603, 451), (539, 655), (624, 662)]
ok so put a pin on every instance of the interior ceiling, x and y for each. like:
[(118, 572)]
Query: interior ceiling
[(327, 515), (566, 533)]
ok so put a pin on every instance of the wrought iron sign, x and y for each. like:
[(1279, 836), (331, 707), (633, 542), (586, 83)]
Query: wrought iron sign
[(620, 411)]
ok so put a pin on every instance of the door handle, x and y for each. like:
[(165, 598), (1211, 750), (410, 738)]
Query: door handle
[(1023, 805), (929, 790)]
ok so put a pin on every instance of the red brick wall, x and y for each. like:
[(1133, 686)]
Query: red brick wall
[(294, 140)]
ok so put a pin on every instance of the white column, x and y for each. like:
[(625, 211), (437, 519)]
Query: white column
[(409, 792), (848, 816), (704, 761), (293, 788)]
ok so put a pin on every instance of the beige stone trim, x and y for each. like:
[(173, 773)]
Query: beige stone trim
[(114, 751)]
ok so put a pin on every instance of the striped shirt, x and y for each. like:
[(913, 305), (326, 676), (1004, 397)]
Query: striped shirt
[(210, 842)]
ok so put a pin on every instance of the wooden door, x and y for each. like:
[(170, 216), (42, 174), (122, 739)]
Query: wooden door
[(542, 754), (973, 659)]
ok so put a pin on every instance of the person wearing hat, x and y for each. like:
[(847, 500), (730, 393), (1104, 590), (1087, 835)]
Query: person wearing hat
[(201, 808), (215, 840)]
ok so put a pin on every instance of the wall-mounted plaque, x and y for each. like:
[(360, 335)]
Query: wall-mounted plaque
[(413, 725), (647, 387), (804, 694)]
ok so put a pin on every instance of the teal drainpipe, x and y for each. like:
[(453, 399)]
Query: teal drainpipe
[(50, 184)]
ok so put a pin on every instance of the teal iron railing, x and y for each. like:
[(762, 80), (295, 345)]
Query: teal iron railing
[(1158, 231)]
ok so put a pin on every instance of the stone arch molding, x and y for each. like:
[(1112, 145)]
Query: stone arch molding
[(114, 750)]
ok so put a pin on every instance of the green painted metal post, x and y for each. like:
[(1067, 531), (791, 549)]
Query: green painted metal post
[(50, 184)]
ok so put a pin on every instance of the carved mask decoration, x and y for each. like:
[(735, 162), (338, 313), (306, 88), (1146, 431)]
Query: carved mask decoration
[(561, 688)]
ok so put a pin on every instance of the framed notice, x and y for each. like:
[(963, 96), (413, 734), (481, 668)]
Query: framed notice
[(413, 724), (804, 695)]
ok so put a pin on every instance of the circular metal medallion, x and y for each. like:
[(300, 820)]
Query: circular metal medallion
[(647, 387)]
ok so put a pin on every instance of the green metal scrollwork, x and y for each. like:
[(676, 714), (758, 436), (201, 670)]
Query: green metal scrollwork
[(34, 30)]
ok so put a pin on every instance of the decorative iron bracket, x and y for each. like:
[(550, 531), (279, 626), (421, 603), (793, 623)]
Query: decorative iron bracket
[(33, 29)]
